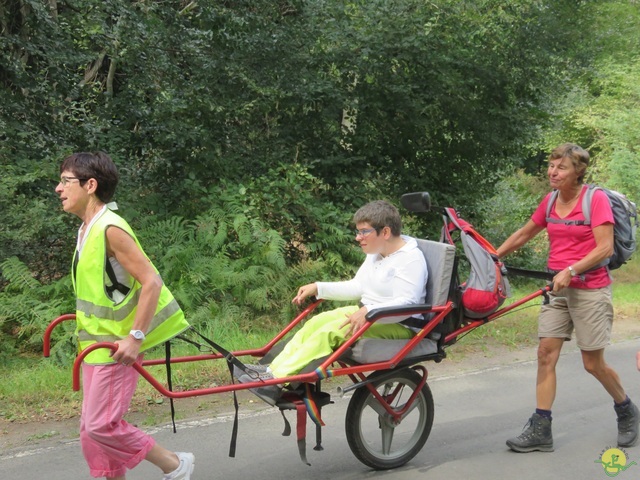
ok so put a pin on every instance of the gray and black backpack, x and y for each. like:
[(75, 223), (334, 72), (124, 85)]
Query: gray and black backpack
[(625, 214)]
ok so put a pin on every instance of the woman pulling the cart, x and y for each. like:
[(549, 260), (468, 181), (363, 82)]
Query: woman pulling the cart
[(581, 296), (120, 298)]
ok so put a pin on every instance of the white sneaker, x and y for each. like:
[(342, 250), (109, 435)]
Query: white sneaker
[(184, 470)]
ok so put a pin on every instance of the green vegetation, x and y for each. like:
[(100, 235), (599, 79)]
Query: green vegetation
[(246, 145), (36, 389)]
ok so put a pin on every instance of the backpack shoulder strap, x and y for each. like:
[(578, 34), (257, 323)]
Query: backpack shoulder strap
[(586, 202), (552, 200), (115, 284), (586, 208)]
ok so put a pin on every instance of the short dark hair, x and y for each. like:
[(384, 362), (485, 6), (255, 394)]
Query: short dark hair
[(380, 214), (97, 165)]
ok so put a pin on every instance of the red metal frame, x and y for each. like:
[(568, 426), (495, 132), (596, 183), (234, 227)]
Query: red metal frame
[(355, 372), (497, 314), (388, 399)]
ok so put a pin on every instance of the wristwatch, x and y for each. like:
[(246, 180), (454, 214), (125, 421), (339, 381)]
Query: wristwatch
[(137, 334), (572, 271)]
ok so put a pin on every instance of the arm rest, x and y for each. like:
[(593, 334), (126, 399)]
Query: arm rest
[(407, 310)]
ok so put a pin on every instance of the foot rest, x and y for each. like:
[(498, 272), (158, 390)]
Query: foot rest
[(289, 399)]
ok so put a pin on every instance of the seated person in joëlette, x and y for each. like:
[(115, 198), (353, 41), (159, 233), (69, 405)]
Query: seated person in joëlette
[(393, 274)]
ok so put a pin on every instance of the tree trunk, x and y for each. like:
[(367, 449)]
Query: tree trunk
[(110, 77), (53, 9), (91, 72)]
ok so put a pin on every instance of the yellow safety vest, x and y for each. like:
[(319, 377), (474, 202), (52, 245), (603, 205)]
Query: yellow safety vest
[(98, 317)]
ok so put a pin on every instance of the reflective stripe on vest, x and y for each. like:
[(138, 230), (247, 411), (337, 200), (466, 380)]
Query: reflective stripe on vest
[(158, 319), (108, 313), (98, 318)]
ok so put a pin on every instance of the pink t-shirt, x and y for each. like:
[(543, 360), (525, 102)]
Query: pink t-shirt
[(569, 244)]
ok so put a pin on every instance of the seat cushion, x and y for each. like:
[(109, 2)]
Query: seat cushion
[(371, 350)]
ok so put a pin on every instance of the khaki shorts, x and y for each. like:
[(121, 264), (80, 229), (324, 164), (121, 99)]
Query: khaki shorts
[(587, 311)]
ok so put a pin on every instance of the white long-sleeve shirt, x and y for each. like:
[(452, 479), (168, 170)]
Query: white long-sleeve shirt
[(392, 281)]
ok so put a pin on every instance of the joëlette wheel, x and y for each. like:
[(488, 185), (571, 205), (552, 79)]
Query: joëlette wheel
[(373, 436)]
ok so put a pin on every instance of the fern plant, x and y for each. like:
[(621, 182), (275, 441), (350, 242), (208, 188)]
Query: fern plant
[(226, 263), (27, 307), (231, 270)]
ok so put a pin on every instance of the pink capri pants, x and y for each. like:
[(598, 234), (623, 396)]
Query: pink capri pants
[(110, 445)]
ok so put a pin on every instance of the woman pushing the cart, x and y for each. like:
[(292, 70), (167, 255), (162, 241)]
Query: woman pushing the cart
[(120, 298), (581, 296)]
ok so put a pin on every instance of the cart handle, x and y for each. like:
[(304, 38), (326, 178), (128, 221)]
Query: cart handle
[(46, 343)]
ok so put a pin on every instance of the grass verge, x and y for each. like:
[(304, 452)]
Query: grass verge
[(35, 389)]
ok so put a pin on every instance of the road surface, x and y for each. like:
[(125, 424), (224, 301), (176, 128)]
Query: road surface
[(474, 414)]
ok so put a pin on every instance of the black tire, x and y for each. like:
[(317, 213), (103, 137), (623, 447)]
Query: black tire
[(393, 445)]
